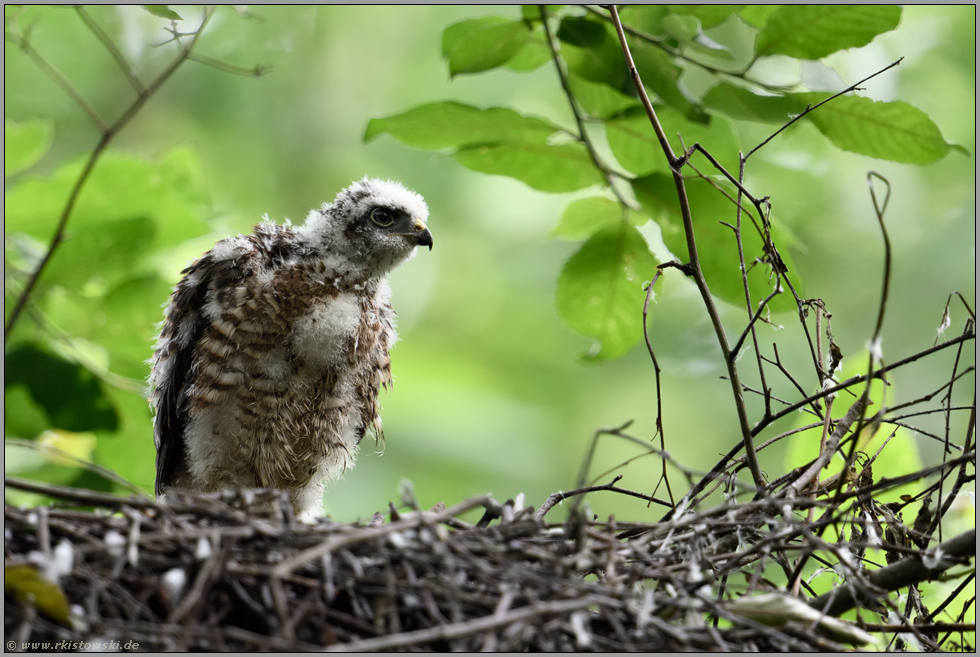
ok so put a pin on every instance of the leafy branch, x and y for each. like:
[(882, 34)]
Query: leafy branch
[(694, 262), (107, 131)]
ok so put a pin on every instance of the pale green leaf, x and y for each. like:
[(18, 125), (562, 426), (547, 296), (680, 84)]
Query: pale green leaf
[(24, 143), (637, 148), (562, 168), (163, 11), (742, 104), (532, 56), (585, 216), (600, 290), (893, 130), (481, 44), (121, 187), (451, 125), (815, 31), (599, 100), (660, 73)]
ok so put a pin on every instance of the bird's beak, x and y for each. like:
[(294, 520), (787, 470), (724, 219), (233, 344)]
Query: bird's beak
[(424, 237)]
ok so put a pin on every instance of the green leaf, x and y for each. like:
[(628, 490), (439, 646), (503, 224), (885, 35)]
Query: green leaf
[(533, 12), (585, 216), (483, 43), (708, 15), (645, 18), (169, 191), (742, 104), (163, 11), (660, 73), (591, 51), (533, 55), (599, 100), (562, 168), (127, 319), (109, 251), (450, 125), (24, 143), (717, 248), (756, 15), (815, 31), (70, 395), (22, 417), (28, 586), (893, 130), (600, 290), (635, 144)]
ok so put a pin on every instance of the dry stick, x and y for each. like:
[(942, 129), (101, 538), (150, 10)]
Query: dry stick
[(875, 348), (656, 376), (853, 413), (722, 464), (694, 261), (555, 498), (285, 568), (947, 403), (906, 572), (860, 378), (961, 478), (108, 133), (464, 628)]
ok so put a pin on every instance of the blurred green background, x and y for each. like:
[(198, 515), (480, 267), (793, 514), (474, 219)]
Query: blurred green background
[(490, 395)]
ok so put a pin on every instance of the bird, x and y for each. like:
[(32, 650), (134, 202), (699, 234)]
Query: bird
[(275, 345)]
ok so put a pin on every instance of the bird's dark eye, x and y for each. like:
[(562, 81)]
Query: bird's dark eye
[(382, 217)]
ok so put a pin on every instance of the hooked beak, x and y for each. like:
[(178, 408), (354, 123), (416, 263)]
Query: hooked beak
[(424, 238)]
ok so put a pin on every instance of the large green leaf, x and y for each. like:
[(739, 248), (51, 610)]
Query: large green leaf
[(533, 55), (591, 50), (815, 31), (481, 44), (742, 104), (169, 191), (708, 15), (893, 130), (586, 216), (600, 290), (660, 72), (451, 125), (70, 395), (717, 249), (637, 148), (756, 15), (24, 143), (126, 323), (22, 416), (599, 100), (562, 168), (645, 18), (110, 252)]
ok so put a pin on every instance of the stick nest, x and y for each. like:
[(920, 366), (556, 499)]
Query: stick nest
[(236, 572)]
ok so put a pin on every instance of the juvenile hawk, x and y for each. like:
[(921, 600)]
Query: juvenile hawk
[(274, 346)]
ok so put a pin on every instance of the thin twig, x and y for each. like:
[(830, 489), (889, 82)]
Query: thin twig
[(582, 136), (810, 108), (693, 260), (107, 135)]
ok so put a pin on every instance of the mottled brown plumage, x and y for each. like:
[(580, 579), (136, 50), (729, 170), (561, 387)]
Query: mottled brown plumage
[(275, 345)]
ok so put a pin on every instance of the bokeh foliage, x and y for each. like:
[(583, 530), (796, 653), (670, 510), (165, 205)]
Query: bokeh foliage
[(490, 394)]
